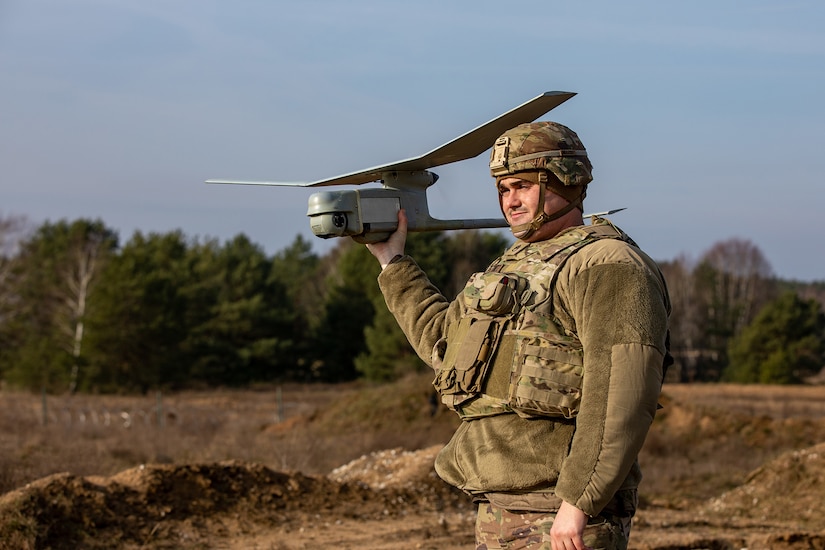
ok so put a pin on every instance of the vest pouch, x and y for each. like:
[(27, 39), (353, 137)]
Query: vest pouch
[(546, 377), (466, 360), (493, 293)]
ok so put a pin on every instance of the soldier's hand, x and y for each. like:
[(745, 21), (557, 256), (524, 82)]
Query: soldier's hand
[(568, 527), (394, 245)]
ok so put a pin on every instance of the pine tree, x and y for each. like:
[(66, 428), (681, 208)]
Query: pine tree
[(784, 344)]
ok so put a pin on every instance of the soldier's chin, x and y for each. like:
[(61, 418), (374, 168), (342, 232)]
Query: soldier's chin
[(520, 233)]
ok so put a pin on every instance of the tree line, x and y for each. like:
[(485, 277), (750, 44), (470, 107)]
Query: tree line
[(81, 311), (735, 321)]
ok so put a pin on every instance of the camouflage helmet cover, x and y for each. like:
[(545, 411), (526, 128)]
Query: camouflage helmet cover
[(542, 146)]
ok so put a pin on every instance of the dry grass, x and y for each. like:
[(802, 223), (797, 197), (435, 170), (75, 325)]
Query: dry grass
[(311, 429), (704, 441), (101, 435), (777, 402)]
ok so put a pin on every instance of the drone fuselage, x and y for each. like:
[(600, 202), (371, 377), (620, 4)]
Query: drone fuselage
[(371, 215)]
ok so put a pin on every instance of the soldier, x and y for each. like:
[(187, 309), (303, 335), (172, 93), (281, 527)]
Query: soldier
[(553, 356)]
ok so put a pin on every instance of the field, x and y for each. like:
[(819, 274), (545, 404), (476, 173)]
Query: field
[(350, 466)]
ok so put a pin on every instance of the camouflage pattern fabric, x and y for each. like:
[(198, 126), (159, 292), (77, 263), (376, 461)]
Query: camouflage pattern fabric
[(500, 529), (493, 293), (542, 146)]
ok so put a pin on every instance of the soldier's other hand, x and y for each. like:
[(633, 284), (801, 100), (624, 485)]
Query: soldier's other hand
[(568, 527), (385, 251)]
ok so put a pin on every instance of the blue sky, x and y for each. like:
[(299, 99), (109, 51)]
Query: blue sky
[(704, 119)]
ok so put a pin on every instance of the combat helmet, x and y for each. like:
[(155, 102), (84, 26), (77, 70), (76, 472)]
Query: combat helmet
[(549, 154)]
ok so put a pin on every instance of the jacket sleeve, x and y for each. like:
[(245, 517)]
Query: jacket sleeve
[(422, 312), (620, 311)]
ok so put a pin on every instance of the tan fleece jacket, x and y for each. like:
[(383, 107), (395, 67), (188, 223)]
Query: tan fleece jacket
[(609, 294)]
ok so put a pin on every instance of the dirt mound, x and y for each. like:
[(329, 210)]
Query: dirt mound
[(195, 506), (186, 504), (392, 468), (790, 489), (407, 473)]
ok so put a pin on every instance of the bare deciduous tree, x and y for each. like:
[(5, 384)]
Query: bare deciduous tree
[(84, 260), (685, 332), (744, 281), (733, 281)]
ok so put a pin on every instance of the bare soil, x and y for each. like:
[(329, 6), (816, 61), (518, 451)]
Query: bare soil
[(391, 498)]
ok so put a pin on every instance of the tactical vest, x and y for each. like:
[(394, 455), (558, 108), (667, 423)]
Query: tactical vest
[(509, 353)]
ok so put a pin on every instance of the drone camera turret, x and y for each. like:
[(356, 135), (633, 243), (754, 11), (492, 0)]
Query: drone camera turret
[(371, 215), (367, 215), (334, 214)]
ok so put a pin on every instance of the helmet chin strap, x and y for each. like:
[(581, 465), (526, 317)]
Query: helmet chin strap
[(524, 230)]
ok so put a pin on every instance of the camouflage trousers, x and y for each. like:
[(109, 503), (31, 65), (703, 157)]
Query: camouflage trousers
[(500, 529)]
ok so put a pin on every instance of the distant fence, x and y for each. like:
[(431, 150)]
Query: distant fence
[(76, 414), (78, 411)]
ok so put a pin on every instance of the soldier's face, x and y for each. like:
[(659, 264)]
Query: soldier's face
[(520, 204), (519, 200)]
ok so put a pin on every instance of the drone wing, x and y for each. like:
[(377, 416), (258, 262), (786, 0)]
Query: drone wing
[(466, 146)]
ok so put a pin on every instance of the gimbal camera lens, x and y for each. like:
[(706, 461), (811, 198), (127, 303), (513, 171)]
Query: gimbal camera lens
[(339, 220)]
